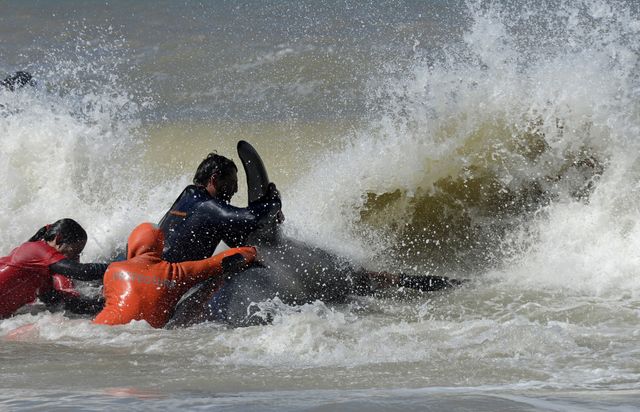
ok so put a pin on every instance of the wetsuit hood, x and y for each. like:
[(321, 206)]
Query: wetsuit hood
[(146, 238)]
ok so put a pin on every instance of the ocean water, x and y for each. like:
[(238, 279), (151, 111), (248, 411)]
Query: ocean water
[(491, 141)]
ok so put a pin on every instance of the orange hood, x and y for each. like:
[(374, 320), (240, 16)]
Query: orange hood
[(146, 238)]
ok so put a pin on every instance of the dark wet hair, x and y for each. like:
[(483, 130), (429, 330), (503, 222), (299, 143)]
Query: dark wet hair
[(68, 230), (18, 80), (213, 165)]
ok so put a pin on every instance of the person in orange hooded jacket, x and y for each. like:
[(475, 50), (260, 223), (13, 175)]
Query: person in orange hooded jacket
[(145, 287)]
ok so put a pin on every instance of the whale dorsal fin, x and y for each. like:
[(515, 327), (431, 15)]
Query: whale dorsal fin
[(257, 178)]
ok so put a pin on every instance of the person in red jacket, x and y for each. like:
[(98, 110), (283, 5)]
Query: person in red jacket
[(145, 287), (42, 266)]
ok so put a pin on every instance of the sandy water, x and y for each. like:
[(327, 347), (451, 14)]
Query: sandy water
[(492, 142)]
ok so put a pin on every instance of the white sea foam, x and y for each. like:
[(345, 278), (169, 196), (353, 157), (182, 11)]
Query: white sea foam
[(73, 148), (574, 82)]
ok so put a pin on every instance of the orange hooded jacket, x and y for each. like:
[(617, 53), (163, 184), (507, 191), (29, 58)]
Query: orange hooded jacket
[(145, 287)]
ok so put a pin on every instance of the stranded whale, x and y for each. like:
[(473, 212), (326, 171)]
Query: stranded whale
[(290, 270)]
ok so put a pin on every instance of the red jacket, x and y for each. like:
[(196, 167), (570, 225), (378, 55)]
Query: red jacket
[(145, 287), (24, 274)]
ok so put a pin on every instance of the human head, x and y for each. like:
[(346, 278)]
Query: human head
[(65, 235), (218, 175), (145, 238)]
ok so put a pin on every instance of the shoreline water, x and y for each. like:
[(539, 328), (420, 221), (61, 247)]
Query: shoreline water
[(432, 399)]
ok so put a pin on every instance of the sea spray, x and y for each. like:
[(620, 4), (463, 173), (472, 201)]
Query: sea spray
[(470, 147), (73, 146)]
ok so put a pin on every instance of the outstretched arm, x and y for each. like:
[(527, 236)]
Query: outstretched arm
[(229, 261), (236, 223), (79, 271)]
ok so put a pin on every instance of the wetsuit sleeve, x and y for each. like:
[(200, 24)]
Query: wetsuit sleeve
[(237, 223), (79, 271), (190, 273)]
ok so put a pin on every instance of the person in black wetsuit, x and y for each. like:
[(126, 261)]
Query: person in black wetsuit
[(201, 217)]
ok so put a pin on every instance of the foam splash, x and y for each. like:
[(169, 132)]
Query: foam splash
[(485, 335), (73, 146), (528, 122)]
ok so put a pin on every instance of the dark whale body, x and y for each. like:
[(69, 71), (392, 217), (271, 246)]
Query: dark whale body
[(291, 271)]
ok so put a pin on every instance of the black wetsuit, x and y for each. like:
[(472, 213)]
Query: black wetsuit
[(197, 222), (79, 271), (82, 305)]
